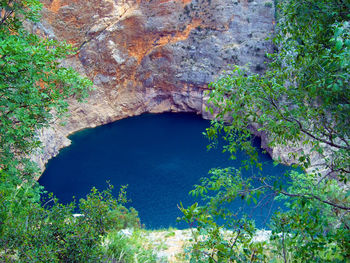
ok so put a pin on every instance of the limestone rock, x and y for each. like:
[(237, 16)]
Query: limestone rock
[(152, 56)]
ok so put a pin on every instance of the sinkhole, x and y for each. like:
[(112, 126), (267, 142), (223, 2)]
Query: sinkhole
[(159, 156)]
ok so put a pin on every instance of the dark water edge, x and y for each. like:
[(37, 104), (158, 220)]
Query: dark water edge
[(159, 156)]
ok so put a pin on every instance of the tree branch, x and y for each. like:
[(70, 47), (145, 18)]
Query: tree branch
[(308, 196), (207, 254), (307, 132), (234, 242)]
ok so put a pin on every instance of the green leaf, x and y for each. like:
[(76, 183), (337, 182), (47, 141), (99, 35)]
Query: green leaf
[(339, 44)]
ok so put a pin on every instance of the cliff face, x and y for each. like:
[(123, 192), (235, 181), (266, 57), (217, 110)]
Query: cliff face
[(151, 56)]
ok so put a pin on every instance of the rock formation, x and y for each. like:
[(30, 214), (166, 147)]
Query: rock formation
[(151, 56)]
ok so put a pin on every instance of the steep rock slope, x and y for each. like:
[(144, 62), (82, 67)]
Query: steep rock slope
[(151, 56)]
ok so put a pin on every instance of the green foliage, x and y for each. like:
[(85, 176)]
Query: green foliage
[(311, 231), (17, 198), (127, 249), (33, 85), (34, 88), (230, 241), (303, 99), (53, 234), (14, 12), (123, 218)]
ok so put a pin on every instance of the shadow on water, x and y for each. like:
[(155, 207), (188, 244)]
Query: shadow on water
[(159, 156)]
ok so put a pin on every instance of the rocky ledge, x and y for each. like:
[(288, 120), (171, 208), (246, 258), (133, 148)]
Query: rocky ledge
[(151, 56)]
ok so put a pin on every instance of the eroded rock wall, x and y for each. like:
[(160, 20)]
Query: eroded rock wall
[(151, 56)]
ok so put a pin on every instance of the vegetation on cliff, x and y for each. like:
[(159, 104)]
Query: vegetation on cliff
[(303, 99), (33, 91)]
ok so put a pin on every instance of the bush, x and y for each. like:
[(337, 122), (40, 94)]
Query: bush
[(122, 218), (40, 234)]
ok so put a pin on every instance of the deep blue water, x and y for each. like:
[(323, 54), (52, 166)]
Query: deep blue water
[(159, 156)]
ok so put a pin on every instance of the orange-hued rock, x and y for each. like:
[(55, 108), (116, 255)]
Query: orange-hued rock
[(152, 56)]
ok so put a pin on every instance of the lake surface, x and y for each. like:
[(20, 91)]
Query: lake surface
[(159, 156)]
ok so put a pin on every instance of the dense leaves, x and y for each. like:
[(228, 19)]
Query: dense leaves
[(33, 86), (49, 232), (302, 103)]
